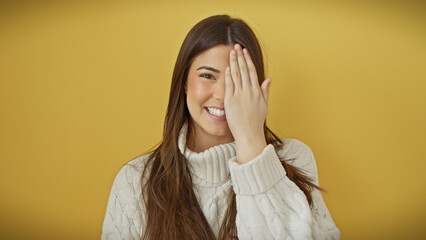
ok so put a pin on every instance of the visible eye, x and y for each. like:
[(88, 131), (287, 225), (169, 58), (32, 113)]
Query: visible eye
[(206, 74)]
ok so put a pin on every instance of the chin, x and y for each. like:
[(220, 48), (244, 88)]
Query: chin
[(219, 131)]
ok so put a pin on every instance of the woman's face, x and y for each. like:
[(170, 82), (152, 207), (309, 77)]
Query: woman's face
[(205, 92)]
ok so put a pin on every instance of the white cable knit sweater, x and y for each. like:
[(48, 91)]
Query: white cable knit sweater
[(269, 204)]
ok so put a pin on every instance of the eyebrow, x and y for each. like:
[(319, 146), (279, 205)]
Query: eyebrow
[(209, 68)]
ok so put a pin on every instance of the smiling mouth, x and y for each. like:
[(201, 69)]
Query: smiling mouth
[(216, 112)]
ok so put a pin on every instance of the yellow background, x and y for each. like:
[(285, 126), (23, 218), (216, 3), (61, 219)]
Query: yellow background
[(84, 88)]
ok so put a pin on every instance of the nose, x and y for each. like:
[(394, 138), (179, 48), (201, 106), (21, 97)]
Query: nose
[(219, 92)]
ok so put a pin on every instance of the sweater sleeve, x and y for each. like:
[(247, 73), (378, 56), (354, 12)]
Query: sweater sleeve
[(271, 206), (123, 214)]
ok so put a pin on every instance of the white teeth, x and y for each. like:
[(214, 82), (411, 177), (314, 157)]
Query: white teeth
[(216, 112)]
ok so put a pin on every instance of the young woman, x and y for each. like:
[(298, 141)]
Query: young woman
[(219, 172)]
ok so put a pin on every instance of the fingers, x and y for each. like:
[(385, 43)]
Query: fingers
[(235, 71), (245, 78), (243, 70), (229, 89), (251, 68)]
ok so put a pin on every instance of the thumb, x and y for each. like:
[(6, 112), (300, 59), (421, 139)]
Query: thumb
[(265, 88)]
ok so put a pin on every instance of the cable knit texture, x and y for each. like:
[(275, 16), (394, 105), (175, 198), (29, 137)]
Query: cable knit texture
[(269, 204)]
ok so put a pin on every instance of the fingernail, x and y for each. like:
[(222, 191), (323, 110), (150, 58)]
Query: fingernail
[(233, 52), (245, 51)]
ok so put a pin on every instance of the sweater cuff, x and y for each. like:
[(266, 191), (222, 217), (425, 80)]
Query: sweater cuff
[(257, 175)]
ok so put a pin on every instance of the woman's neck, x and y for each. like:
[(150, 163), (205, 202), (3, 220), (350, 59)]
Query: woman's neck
[(201, 140)]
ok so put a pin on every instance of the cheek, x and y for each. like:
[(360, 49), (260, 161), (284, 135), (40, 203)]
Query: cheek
[(198, 91)]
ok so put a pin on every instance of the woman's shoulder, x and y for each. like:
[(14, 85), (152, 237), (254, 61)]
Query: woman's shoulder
[(300, 155), (130, 175), (138, 163), (292, 148), (125, 209)]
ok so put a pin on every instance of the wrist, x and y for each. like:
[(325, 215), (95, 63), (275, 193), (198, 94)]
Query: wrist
[(250, 138), (247, 149)]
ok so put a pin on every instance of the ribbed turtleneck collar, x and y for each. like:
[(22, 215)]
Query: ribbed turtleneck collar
[(210, 167)]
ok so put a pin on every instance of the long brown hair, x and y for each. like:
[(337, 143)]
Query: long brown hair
[(172, 209)]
